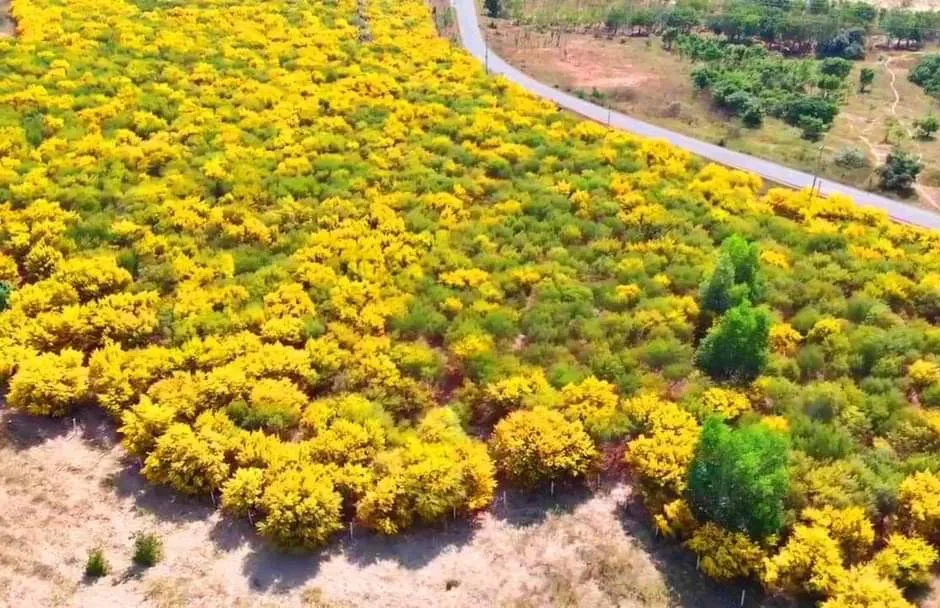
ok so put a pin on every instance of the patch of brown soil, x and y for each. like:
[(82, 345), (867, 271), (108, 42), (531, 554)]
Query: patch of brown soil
[(580, 60), (590, 65)]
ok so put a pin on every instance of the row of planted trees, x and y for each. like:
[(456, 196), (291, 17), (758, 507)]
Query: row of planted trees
[(836, 30)]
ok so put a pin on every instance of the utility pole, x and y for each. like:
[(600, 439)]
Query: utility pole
[(812, 190), (486, 57)]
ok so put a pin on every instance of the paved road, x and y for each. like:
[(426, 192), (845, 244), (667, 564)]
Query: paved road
[(472, 40)]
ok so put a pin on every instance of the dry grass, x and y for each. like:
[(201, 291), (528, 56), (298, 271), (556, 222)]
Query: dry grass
[(638, 77), (66, 488)]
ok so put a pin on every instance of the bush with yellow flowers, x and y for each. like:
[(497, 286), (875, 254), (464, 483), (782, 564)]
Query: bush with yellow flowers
[(725, 555), (49, 384), (919, 503), (906, 560), (534, 446)]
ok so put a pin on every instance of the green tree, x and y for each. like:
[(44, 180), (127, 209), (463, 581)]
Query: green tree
[(865, 78), (835, 66), (716, 292), (736, 348), (812, 128), (494, 8), (5, 291), (745, 257), (738, 478), (736, 277), (926, 126), (899, 171)]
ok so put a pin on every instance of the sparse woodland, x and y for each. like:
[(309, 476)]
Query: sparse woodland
[(320, 267)]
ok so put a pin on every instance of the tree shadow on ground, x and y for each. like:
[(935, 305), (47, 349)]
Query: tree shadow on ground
[(161, 501), (412, 549), (23, 431), (268, 567), (689, 587), (521, 508)]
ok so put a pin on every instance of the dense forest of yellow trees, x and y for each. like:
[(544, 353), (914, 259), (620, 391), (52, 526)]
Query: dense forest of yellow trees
[(317, 264)]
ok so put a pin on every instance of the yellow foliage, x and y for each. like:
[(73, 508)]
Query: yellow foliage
[(725, 555), (9, 273), (288, 300), (190, 461), (92, 277), (465, 277), (591, 402), (427, 481), (850, 527), (777, 423), (472, 345), (301, 506), (49, 384), (531, 446), (241, 493), (919, 503), (676, 519), (238, 177), (923, 373), (662, 454), (118, 377), (627, 294), (41, 261), (348, 429), (824, 328), (142, 424), (784, 339), (861, 587), (520, 390), (906, 560), (725, 402), (810, 561)]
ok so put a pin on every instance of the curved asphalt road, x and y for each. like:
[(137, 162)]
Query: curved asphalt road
[(472, 40)]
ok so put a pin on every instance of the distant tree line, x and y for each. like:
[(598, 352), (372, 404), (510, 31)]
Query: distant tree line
[(792, 28)]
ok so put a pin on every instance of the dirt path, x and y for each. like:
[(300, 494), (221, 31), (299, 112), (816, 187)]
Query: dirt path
[(897, 97), (926, 194), (7, 27)]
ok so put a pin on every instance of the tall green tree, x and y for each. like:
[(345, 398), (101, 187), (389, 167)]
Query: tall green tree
[(736, 348), (716, 294), (494, 8), (738, 478), (736, 276), (899, 171), (745, 257), (865, 77)]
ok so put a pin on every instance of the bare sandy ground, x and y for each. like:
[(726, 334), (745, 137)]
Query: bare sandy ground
[(66, 488), (7, 27)]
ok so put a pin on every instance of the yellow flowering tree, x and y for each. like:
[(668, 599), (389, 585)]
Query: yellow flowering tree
[(533, 446), (49, 384)]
